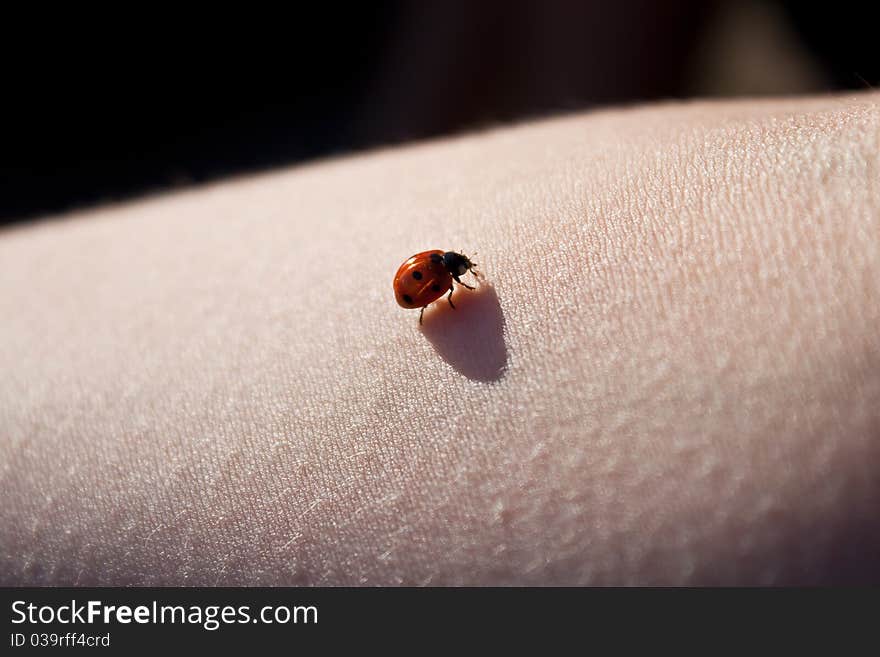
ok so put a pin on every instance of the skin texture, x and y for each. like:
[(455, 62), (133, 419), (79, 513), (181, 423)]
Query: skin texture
[(670, 376)]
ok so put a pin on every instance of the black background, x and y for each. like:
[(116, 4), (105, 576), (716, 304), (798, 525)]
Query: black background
[(110, 105)]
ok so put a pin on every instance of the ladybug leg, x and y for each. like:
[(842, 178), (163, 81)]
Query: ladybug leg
[(421, 312), (458, 280), (451, 290)]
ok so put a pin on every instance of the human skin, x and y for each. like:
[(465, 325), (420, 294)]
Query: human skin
[(671, 374)]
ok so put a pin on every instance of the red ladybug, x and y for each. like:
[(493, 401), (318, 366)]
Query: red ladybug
[(428, 275)]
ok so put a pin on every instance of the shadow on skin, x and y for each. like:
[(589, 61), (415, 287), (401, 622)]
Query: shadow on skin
[(470, 337)]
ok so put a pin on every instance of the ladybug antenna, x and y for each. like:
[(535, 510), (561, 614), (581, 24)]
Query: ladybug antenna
[(477, 274)]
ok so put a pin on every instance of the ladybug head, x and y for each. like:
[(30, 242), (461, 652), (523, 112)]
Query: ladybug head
[(456, 263)]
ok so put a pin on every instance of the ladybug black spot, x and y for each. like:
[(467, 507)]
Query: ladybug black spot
[(435, 287), (407, 298), (436, 258), (417, 275)]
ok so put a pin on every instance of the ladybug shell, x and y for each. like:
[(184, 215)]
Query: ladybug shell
[(421, 279)]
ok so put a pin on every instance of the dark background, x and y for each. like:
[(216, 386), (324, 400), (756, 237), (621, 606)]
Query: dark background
[(106, 107)]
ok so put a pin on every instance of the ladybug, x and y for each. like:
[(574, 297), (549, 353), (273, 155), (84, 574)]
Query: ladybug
[(427, 276)]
